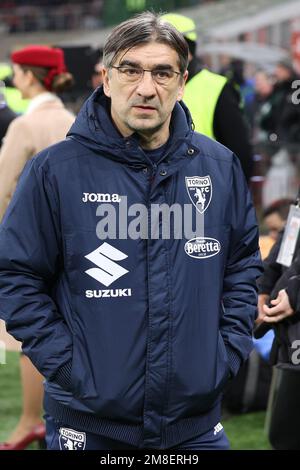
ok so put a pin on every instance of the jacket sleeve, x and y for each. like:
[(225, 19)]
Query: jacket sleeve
[(272, 269), (290, 280), (293, 292), (15, 151), (242, 268), (30, 264)]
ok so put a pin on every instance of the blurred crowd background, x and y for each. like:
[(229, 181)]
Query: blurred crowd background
[(255, 45)]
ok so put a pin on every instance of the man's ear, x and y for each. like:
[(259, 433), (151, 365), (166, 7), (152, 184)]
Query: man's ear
[(106, 81), (182, 85)]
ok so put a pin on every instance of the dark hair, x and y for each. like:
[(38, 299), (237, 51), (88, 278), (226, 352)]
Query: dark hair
[(192, 46), (280, 207), (142, 29), (60, 82)]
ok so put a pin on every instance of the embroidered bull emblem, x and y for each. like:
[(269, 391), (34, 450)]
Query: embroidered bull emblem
[(199, 189), (69, 439)]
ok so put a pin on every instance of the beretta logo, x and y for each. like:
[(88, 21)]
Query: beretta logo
[(202, 247)]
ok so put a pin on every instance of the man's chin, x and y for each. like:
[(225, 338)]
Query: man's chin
[(145, 125)]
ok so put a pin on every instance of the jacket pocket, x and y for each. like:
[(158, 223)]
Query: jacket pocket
[(223, 369), (82, 382)]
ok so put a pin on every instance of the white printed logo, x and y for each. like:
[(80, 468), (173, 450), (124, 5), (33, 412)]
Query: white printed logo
[(199, 189), (100, 197), (202, 247), (71, 440), (218, 428), (107, 293), (108, 271)]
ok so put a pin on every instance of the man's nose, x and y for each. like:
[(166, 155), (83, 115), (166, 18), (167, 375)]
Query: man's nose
[(146, 86)]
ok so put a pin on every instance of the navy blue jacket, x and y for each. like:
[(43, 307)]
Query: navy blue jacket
[(136, 337)]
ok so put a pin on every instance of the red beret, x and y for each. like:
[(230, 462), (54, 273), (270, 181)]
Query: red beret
[(41, 56)]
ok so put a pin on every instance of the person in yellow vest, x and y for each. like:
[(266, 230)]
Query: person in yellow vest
[(214, 103), (12, 95), (6, 114)]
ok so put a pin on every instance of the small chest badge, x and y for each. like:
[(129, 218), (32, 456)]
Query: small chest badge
[(199, 189), (71, 440)]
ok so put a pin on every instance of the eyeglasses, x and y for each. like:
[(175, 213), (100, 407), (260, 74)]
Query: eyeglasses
[(129, 74)]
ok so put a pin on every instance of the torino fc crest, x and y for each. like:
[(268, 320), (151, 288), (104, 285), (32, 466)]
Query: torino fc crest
[(199, 189), (71, 440)]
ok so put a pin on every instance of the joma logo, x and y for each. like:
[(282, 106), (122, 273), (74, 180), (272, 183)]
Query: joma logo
[(101, 197)]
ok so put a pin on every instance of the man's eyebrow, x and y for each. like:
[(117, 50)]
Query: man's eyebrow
[(131, 63), (163, 67)]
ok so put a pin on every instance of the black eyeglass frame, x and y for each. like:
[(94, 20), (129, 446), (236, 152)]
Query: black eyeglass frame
[(120, 67)]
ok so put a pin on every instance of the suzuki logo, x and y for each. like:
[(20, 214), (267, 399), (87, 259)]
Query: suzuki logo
[(108, 271)]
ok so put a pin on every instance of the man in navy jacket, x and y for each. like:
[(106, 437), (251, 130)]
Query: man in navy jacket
[(128, 260)]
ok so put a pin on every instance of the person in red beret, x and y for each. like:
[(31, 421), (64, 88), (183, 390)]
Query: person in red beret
[(39, 73)]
